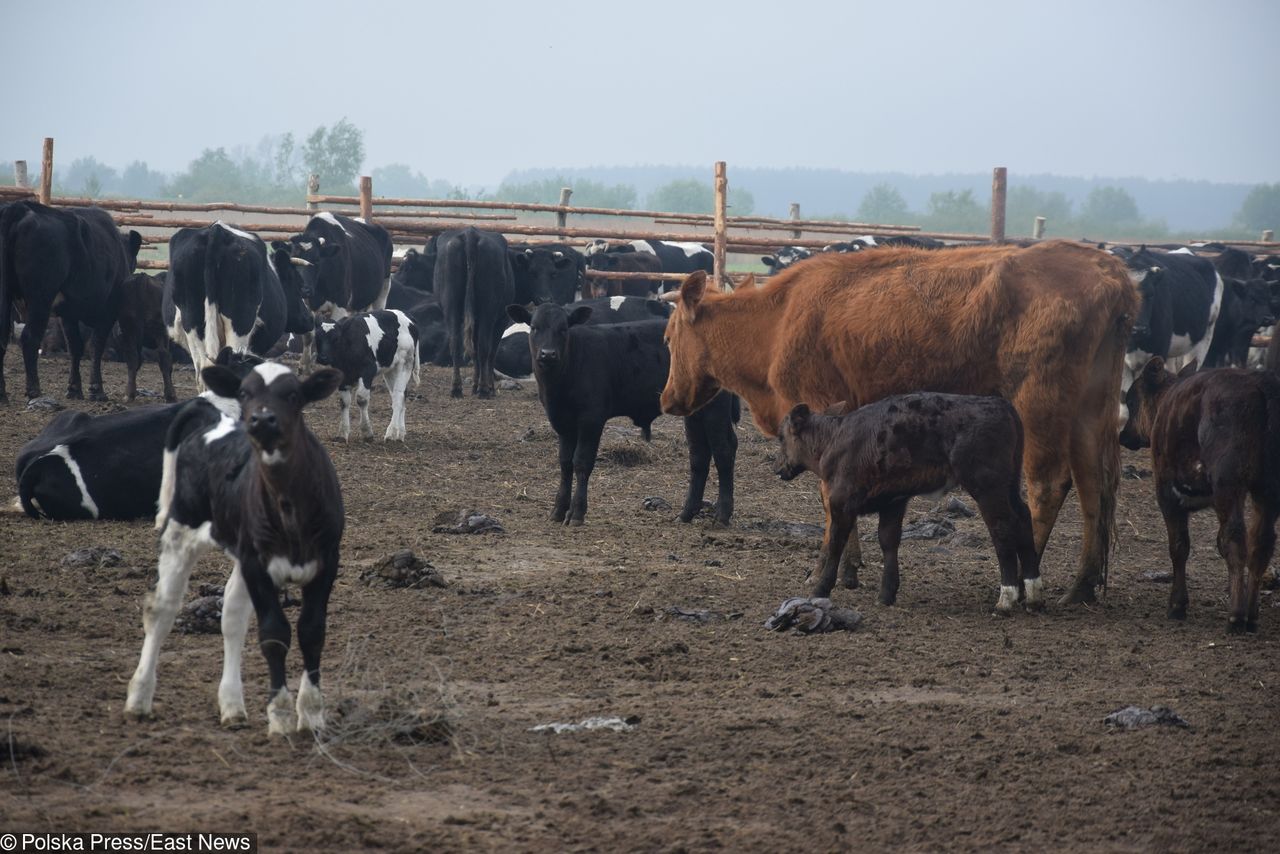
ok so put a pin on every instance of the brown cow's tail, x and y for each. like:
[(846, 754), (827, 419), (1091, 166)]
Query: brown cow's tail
[(1110, 362), (469, 237)]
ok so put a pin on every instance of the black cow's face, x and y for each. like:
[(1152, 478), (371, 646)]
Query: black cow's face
[(1255, 303), (417, 270), (790, 462), (326, 335), (308, 253), (1149, 281), (549, 326), (1141, 400), (289, 271), (271, 400)]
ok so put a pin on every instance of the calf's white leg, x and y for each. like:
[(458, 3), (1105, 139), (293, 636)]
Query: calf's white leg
[(362, 401), (397, 380), (344, 414), (236, 607)]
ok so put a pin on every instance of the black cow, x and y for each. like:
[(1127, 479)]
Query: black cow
[(364, 347), (623, 262), (589, 374), (868, 241), (1246, 308), (76, 255), (514, 359), (106, 466), (349, 264), (473, 281), (223, 290), (417, 270), (1181, 300), (547, 273), (141, 320), (672, 257), (262, 489)]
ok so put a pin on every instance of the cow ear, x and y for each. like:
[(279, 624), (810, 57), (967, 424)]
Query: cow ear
[(277, 245), (748, 282), (837, 409), (1188, 369), (692, 290), (329, 250), (1154, 367), (579, 315), (410, 253), (518, 259), (800, 415), (519, 314), (769, 261), (658, 308), (221, 380), (135, 243), (321, 384)]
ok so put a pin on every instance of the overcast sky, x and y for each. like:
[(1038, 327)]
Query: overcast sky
[(466, 91)]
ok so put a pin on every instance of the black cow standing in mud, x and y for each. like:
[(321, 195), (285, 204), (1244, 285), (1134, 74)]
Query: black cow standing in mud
[(76, 256), (589, 374), (474, 282)]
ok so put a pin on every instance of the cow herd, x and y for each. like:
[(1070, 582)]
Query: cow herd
[(890, 368)]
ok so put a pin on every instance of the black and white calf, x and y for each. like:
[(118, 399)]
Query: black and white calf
[(262, 489), (107, 466), (365, 347)]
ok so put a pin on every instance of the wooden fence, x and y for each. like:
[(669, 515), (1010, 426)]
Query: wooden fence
[(413, 221)]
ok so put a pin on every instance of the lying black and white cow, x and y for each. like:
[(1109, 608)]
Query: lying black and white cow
[(1181, 298), (225, 290), (106, 466), (262, 489), (365, 347), (785, 257), (348, 264), (589, 374), (514, 359), (672, 257)]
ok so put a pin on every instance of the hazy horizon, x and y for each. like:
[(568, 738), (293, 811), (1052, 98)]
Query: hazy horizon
[(470, 95)]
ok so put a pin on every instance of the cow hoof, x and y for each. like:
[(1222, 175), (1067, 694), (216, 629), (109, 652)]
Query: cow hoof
[(236, 720), (557, 516), (887, 599), (575, 523), (1235, 626), (1178, 613), (457, 392), (138, 715), (850, 583), (73, 394), (4, 398), (1081, 593), (98, 395)]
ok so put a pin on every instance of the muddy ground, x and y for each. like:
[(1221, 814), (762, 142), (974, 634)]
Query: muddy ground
[(935, 725)]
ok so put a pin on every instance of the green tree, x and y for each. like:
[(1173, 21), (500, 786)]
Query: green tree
[(587, 193), (88, 176), (211, 177), (692, 196), (1108, 208), (1024, 204), (335, 154), (1261, 208), (138, 181), (957, 211), (883, 204)]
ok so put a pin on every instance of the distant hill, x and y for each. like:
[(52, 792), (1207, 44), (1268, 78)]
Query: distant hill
[(1183, 205)]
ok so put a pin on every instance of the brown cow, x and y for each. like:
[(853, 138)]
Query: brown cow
[(876, 458), (1215, 440), (1044, 326)]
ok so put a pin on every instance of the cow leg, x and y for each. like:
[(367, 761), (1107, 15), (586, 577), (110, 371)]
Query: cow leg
[(131, 345), (6, 333), (890, 533), (584, 460), (96, 391), (381, 301), (362, 401), (1048, 475), (1262, 544), (32, 335), (311, 630), (1228, 503), (236, 606), (851, 560), (1002, 525), (180, 546), (308, 352), (568, 442), (164, 359), (486, 349), (1028, 557), (695, 433), (839, 519), (455, 353), (273, 639), (75, 348), (1175, 523), (724, 450), (397, 380), (344, 414)]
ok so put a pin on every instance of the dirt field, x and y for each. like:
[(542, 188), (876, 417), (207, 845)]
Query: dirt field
[(936, 725)]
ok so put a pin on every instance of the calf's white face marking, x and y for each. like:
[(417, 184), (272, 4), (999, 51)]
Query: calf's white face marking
[(271, 371)]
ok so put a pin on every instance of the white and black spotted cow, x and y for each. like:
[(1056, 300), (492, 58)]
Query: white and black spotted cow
[(1181, 298), (365, 347), (107, 466), (785, 257), (262, 489), (672, 256)]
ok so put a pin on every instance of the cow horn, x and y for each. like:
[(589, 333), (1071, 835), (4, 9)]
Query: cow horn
[(670, 296), (528, 251), (300, 262)]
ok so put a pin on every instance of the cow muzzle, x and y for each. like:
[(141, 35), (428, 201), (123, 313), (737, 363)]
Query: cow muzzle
[(548, 358), (264, 429)]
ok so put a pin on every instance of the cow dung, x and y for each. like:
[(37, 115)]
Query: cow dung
[(201, 616), (1133, 717), (43, 404), (402, 569), (466, 522), (806, 616), (656, 502), (93, 557)]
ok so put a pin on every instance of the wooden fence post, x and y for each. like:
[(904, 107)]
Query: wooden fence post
[(795, 214), (722, 192), (1037, 230), (366, 198), (46, 172), (1268, 236), (999, 185), (20, 174), (562, 217), (313, 189)]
